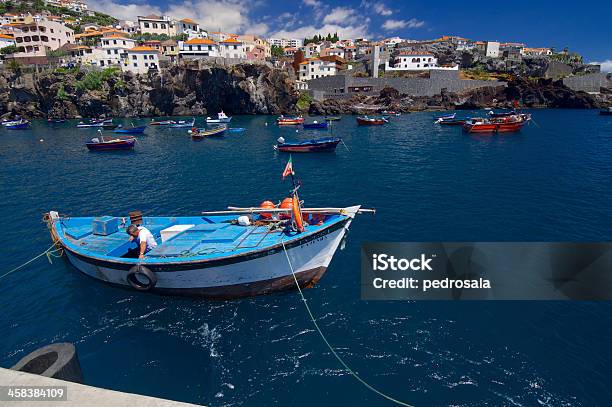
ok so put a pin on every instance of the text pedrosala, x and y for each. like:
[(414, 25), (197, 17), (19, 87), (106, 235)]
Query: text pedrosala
[(383, 262)]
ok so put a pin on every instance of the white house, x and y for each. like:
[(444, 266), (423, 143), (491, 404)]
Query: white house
[(316, 68), (333, 52), (232, 48), (198, 47), (141, 59), (186, 25), (492, 49), (414, 61), (35, 38), (284, 42), (311, 50), (113, 50), (153, 24)]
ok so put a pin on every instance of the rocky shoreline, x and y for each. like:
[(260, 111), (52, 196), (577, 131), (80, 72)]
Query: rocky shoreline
[(541, 93), (241, 89)]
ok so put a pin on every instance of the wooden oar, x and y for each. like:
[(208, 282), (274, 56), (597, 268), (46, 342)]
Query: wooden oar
[(236, 210)]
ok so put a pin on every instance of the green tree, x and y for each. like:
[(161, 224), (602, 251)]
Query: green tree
[(277, 51), (11, 49), (14, 66)]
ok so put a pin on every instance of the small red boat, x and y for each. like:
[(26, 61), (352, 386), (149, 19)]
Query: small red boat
[(111, 143), (371, 121), (289, 121), (508, 124)]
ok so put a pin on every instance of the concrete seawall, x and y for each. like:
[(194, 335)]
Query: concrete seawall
[(79, 395)]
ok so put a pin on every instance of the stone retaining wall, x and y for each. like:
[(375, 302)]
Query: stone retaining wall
[(346, 86)]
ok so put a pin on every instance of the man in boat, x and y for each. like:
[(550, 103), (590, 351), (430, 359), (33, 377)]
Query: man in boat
[(143, 238)]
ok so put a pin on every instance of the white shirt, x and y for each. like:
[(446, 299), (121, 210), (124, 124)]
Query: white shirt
[(144, 235)]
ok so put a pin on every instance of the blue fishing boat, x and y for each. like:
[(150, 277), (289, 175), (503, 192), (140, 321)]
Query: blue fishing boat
[(310, 146), (315, 125), (226, 254), (131, 130), (20, 124), (55, 121)]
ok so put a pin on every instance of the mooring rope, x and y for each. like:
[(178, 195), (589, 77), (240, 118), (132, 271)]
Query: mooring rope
[(49, 253), (342, 362)]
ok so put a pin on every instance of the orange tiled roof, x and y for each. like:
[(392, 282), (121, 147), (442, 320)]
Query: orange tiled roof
[(118, 37), (232, 40), (199, 41), (7, 37), (188, 21), (142, 49)]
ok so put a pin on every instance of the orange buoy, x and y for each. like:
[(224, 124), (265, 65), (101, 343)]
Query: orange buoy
[(297, 215), (287, 203), (266, 205)]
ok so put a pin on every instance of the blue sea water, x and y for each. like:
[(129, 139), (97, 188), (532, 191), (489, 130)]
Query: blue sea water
[(551, 182)]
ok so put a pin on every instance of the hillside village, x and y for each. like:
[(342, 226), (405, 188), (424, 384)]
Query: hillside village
[(52, 34)]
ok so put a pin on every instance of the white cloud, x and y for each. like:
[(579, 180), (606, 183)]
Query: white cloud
[(310, 30), (391, 25), (340, 15), (606, 66), (381, 9), (312, 3), (122, 11), (227, 15)]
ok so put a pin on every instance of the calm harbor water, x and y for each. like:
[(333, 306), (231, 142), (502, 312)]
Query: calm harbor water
[(551, 182)]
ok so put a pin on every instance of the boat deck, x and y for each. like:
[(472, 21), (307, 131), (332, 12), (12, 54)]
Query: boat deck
[(205, 237)]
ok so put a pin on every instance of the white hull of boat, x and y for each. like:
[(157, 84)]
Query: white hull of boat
[(260, 275)]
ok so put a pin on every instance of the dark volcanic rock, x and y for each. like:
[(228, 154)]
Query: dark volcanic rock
[(185, 90)]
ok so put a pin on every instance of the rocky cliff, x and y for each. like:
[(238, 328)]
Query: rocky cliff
[(529, 93), (185, 90)]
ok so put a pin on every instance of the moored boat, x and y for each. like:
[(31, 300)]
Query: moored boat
[(390, 113), (371, 121), (106, 143), (289, 121), (310, 146), (502, 114), (606, 112), (332, 118), (221, 118), (201, 134), (183, 123), (20, 124), (106, 123), (131, 130), (161, 122), (496, 125), (55, 121), (225, 254), (315, 125), (449, 120)]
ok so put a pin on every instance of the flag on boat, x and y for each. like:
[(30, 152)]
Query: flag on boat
[(288, 168)]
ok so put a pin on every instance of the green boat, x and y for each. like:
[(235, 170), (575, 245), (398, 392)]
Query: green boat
[(333, 118)]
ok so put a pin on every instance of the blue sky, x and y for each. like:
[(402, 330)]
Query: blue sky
[(586, 30)]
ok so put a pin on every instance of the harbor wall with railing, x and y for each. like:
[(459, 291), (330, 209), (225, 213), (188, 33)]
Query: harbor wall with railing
[(344, 86)]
